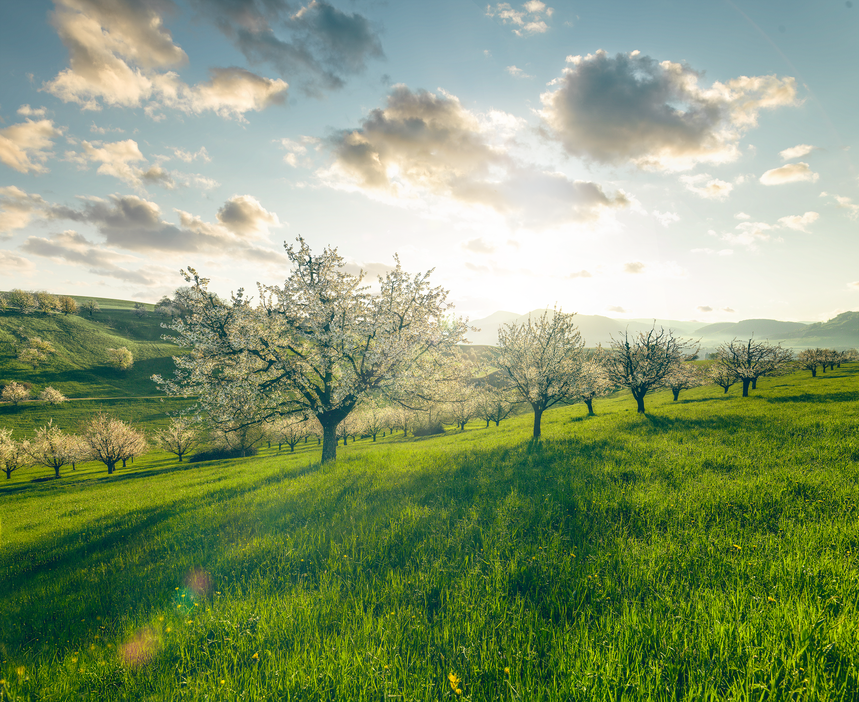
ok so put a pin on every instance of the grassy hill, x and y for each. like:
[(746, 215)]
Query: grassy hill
[(80, 366), (705, 551)]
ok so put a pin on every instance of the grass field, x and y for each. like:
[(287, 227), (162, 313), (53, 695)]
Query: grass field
[(80, 367), (705, 551)]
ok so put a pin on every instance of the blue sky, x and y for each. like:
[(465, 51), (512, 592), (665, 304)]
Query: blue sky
[(633, 159)]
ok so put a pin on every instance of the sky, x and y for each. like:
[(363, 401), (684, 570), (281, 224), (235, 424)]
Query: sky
[(629, 158)]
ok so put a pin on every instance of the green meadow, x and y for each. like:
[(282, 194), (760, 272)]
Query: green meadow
[(704, 551)]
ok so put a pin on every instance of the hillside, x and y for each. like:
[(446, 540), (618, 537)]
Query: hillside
[(79, 368), (839, 332), (705, 551)]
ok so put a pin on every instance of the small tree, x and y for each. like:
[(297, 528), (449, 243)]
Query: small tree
[(68, 305), (139, 309), (36, 352), (47, 302), (90, 307), (112, 440), (751, 360), (374, 418), (289, 431), (542, 360), (683, 376), (12, 453), (642, 362), (23, 300), (50, 447), (461, 405), (810, 359), (494, 404), (121, 358), (181, 436), (721, 376), (52, 396), (593, 382), (15, 392)]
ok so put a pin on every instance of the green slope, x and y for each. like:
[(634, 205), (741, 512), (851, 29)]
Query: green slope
[(80, 366)]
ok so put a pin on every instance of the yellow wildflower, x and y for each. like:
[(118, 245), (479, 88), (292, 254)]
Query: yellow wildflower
[(454, 681)]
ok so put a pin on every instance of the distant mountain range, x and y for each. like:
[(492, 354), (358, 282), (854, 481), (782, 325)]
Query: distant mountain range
[(840, 332)]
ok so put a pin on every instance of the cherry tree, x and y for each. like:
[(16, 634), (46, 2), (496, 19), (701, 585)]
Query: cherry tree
[(682, 376), (120, 358), (182, 435), (642, 362), (12, 454), (51, 447), (750, 360), (494, 404), (721, 376), (542, 359), (315, 346), (111, 440), (15, 392), (593, 382), (68, 305), (52, 396)]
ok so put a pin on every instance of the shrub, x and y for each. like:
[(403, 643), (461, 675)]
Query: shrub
[(15, 392), (220, 453)]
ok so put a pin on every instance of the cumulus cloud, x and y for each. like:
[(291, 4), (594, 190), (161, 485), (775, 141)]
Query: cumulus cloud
[(25, 146), (580, 274), (616, 308), (799, 222), (530, 19), (790, 173), (517, 72), (17, 208), (136, 224), (422, 144), (633, 267), (728, 309), (318, 42), (742, 215), (243, 215), (13, 264), (189, 156), (797, 151), (631, 108), (665, 218), (119, 51), (704, 186), (71, 247), (845, 203), (750, 234), (297, 150), (27, 111), (704, 308), (117, 159), (854, 285)]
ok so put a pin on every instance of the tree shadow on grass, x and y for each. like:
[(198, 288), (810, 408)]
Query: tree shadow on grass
[(816, 397)]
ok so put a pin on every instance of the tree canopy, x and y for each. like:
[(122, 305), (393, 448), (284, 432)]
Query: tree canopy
[(314, 346)]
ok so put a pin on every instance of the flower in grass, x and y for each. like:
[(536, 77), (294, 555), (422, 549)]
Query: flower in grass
[(454, 681), (771, 599), (739, 548), (507, 671), (255, 657)]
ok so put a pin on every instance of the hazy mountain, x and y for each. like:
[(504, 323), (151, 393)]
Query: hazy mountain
[(747, 328), (595, 329), (839, 332)]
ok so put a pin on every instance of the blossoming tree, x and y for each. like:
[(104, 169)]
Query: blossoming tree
[(315, 346)]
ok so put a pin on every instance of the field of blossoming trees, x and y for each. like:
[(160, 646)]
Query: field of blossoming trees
[(704, 550)]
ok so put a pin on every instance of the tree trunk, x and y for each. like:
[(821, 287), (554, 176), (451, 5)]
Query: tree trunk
[(754, 383), (329, 442), (497, 422), (590, 404), (56, 471), (640, 400), (746, 383), (726, 389), (487, 424), (676, 394), (8, 473), (123, 462), (374, 438), (111, 466), (538, 415), (813, 372)]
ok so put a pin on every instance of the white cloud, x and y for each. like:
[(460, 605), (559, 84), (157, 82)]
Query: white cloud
[(116, 159), (531, 19), (742, 215), (478, 245), (27, 111), (799, 222), (13, 264), (189, 156), (423, 145), (704, 308), (797, 151), (854, 285), (790, 173), (666, 218), (750, 234), (631, 108), (706, 187), (17, 208), (633, 267), (24, 146), (616, 308), (845, 203), (728, 309), (243, 215), (517, 72), (118, 53)]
